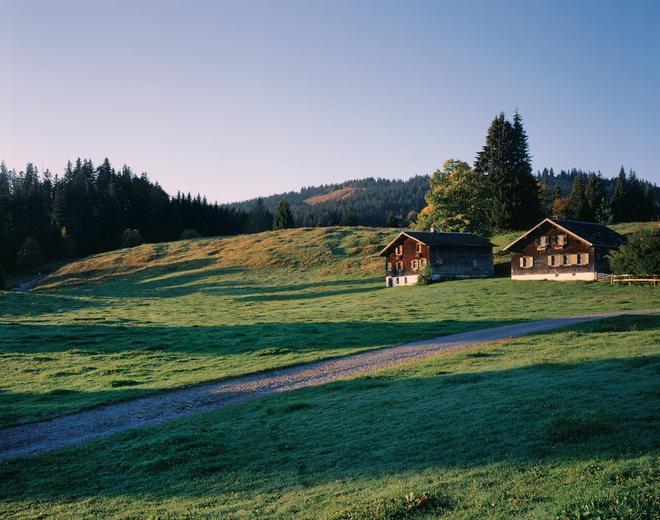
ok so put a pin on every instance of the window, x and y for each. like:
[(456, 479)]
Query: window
[(562, 240), (475, 264), (438, 261), (582, 258), (389, 266), (543, 242), (399, 266), (419, 247), (565, 259), (526, 262), (414, 264), (422, 262), (399, 250), (553, 260)]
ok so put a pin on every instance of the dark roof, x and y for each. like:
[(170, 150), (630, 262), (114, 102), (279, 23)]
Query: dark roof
[(440, 238), (597, 234), (592, 233)]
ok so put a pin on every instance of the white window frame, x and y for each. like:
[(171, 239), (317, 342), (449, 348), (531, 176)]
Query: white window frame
[(562, 240), (543, 241), (414, 265), (419, 247), (398, 250), (399, 266), (422, 263)]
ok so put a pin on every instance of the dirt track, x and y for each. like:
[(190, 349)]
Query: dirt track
[(60, 432)]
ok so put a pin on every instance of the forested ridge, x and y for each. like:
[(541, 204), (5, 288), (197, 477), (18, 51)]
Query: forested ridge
[(90, 209)]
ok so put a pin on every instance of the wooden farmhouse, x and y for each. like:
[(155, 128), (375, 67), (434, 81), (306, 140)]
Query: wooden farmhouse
[(563, 250), (448, 255)]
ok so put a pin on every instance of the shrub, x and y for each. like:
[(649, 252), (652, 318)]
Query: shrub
[(187, 234), (131, 238), (424, 276), (640, 256), (29, 255)]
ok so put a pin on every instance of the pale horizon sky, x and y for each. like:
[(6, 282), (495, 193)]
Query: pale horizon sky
[(239, 99)]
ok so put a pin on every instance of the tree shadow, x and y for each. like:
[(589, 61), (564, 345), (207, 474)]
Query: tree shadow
[(371, 427)]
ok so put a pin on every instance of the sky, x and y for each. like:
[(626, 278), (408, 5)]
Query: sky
[(245, 98)]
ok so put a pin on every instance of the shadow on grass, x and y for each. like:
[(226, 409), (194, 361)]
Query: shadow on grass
[(125, 336), (371, 427)]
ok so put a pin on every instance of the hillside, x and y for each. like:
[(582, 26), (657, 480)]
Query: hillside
[(143, 320), (369, 200)]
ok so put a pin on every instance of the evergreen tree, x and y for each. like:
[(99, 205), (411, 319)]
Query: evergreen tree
[(283, 217), (619, 196), (392, 221), (594, 194), (29, 255), (505, 158), (349, 219), (259, 219), (577, 207)]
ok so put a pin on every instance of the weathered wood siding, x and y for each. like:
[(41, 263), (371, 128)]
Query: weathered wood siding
[(444, 261), (409, 254), (531, 247), (461, 261)]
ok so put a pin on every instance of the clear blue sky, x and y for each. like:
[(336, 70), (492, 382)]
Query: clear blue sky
[(237, 99)]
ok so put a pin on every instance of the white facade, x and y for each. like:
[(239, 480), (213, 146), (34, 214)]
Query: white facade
[(559, 277), (399, 281)]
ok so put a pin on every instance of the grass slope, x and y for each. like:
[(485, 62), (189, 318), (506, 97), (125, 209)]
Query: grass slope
[(159, 316), (557, 425)]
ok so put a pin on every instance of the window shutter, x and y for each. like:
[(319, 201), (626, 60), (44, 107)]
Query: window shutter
[(550, 260), (574, 260), (585, 256), (521, 261), (531, 261)]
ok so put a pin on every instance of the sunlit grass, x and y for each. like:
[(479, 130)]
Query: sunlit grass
[(557, 425)]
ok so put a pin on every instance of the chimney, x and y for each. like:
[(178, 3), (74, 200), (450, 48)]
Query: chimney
[(433, 229)]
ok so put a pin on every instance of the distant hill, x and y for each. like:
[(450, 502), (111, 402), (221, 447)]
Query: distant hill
[(369, 201)]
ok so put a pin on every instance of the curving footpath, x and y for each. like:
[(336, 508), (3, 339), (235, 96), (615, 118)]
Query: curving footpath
[(68, 430)]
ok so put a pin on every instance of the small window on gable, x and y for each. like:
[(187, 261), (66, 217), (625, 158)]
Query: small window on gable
[(419, 247), (543, 241), (562, 240), (398, 250)]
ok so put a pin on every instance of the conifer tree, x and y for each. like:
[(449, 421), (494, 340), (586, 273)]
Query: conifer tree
[(619, 196), (594, 193), (577, 207), (283, 217), (515, 201)]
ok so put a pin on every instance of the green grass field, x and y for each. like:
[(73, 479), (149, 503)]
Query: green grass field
[(160, 316), (556, 425)]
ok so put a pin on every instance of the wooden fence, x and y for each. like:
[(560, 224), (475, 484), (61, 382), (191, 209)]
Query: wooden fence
[(630, 279)]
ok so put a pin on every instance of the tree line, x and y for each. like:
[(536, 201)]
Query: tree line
[(499, 191), (92, 209)]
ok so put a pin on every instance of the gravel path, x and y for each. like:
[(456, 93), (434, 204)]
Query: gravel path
[(68, 430)]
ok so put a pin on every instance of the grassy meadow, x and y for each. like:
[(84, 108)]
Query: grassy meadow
[(555, 425), (159, 316)]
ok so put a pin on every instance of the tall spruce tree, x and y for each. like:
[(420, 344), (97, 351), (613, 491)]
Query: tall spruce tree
[(594, 193), (515, 202), (619, 196), (577, 207), (283, 217)]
